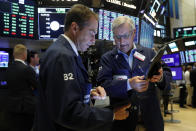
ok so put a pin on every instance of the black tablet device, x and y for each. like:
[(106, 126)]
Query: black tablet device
[(155, 63)]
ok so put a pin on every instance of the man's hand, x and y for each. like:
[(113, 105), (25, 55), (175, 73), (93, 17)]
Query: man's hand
[(138, 83), (157, 78), (98, 93), (121, 113)]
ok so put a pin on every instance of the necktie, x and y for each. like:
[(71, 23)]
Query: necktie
[(79, 59), (130, 59)]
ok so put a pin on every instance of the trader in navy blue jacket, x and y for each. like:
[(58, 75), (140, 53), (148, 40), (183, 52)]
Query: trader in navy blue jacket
[(64, 91), (122, 72)]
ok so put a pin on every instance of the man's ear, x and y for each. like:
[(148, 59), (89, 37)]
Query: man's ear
[(134, 31), (24, 56), (74, 27)]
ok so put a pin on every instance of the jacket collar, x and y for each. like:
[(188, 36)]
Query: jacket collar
[(138, 49), (72, 44), (122, 62), (21, 61), (67, 45)]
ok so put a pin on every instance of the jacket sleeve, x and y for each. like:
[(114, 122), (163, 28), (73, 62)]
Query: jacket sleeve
[(64, 99), (114, 88), (167, 75)]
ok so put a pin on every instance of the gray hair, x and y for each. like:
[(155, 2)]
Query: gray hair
[(122, 20)]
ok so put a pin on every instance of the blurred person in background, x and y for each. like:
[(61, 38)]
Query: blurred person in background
[(33, 61), (188, 86), (194, 65), (182, 85), (21, 81), (166, 88)]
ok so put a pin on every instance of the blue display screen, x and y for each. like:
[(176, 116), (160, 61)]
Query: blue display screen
[(176, 73), (147, 35), (182, 57), (171, 59), (4, 59), (190, 56), (105, 24)]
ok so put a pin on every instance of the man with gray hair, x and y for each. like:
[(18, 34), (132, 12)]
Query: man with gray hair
[(122, 74)]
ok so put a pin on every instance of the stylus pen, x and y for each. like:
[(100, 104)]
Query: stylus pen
[(142, 71)]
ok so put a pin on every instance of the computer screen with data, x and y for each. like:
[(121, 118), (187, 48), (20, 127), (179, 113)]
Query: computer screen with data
[(4, 59), (190, 43), (171, 59), (184, 31), (51, 22), (176, 73), (182, 57), (105, 24), (173, 47), (18, 19), (147, 34), (190, 56)]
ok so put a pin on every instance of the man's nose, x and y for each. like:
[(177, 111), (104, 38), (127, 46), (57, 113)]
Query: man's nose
[(93, 40), (122, 40)]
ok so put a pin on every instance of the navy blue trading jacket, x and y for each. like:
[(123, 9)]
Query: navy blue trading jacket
[(113, 64), (63, 92)]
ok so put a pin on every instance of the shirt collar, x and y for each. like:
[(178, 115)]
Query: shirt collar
[(32, 66), (72, 44), (20, 61)]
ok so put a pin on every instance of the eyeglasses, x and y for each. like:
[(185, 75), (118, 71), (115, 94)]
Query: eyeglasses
[(125, 36), (93, 32)]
